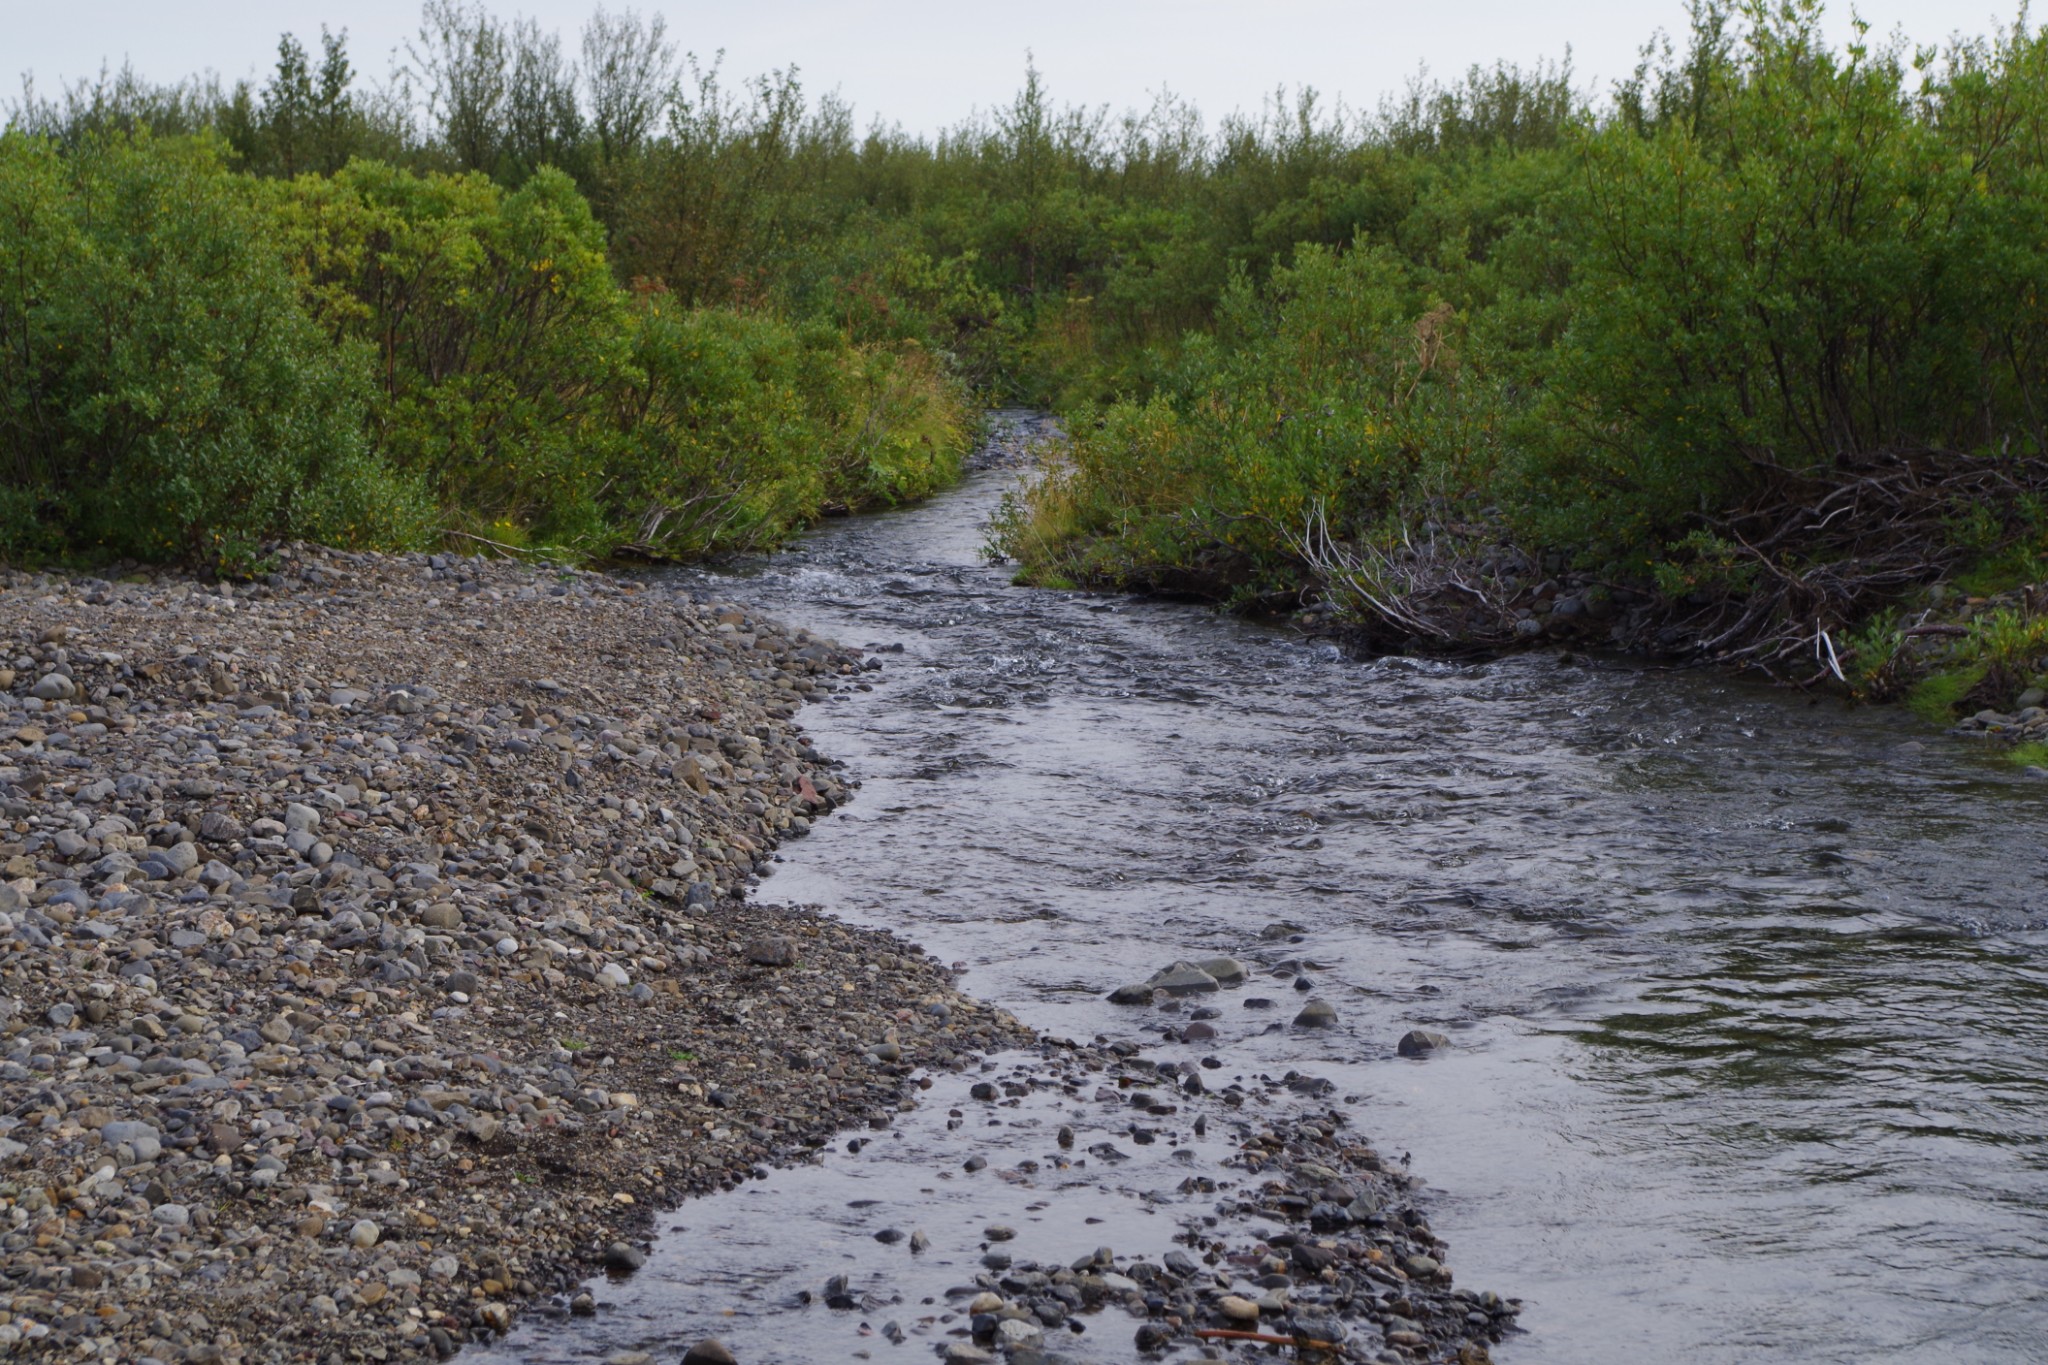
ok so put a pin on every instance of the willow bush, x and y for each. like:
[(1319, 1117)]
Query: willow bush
[(163, 394)]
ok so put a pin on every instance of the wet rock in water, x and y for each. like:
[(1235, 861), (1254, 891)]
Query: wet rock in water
[(996, 1232), (1316, 1014), (1137, 994), (1420, 1043), (966, 1353), (772, 950), (710, 1351), (889, 1236), (624, 1258), (1012, 1333), (1183, 978), (1228, 971)]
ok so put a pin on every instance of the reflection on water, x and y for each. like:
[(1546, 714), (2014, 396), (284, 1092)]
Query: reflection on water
[(1746, 990)]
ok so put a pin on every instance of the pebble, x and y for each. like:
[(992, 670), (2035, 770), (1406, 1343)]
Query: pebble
[(710, 1351)]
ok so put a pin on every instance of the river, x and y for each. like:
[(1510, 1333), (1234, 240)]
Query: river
[(1745, 989)]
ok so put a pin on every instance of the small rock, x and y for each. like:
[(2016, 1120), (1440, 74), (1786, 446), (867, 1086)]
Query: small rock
[(1014, 1332), (364, 1235), (1420, 1043), (710, 1351), (624, 1257), (1183, 978), (1238, 1309), (772, 950), (1316, 1014)]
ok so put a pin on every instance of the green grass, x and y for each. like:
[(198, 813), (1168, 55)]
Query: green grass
[(574, 1044), (1935, 697), (681, 1054), (2028, 755)]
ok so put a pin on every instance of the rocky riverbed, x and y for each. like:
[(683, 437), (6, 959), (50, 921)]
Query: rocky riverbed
[(371, 956)]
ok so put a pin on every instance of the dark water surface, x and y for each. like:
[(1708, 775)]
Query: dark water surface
[(1748, 997)]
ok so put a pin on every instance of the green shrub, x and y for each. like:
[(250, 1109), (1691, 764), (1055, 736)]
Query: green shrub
[(722, 451), (1807, 266), (163, 395), (494, 330), (1335, 390)]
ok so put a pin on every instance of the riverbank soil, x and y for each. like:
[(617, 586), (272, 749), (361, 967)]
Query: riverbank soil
[(371, 960)]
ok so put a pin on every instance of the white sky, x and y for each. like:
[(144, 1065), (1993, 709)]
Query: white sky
[(925, 64)]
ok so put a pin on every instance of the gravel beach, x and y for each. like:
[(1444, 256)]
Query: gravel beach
[(371, 956)]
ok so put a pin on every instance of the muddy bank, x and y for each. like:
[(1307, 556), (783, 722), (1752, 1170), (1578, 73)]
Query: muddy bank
[(371, 960)]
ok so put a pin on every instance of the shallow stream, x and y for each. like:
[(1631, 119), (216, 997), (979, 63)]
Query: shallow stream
[(1747, 993)]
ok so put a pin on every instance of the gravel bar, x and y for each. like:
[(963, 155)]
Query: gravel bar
[(372, 960)]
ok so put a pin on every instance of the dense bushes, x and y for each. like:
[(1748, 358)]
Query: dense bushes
[(1816, 265), (1763, 335), (163, 394), (494, 330), (197, 361), (1758, 334)]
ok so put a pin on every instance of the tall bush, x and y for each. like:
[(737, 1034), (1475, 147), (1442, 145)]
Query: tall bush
[(494, 330), (162, 393)]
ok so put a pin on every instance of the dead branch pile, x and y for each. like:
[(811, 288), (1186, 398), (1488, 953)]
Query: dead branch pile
[(1833, 549), (1447, 589), (1810, 554)]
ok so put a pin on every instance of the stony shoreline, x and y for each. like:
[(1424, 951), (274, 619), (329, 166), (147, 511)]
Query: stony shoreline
[(371, 956)]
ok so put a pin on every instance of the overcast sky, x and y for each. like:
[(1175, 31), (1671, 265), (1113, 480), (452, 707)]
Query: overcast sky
[(925, 65)]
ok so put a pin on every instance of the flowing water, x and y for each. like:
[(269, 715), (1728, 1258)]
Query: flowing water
[(1747, 992)]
